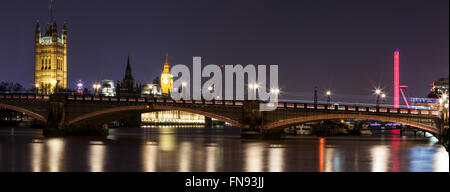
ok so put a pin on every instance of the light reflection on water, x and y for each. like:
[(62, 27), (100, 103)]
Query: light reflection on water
[(254, 157), (211, 158), (276, 159), (56, 154), (218, 149), (185, 157), (97, 157), (37, 150), (380, 158), (149, 157)]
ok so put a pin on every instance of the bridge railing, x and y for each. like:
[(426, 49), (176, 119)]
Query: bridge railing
[(281, 105)]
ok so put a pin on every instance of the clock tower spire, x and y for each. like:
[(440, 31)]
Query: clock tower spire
[(166, 77)]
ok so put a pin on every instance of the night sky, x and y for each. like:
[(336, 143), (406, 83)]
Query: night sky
[(346, 46)]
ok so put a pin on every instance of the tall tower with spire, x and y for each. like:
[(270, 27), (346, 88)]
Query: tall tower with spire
[(50, 54), (128, 80), (128, 87), (166, 77)]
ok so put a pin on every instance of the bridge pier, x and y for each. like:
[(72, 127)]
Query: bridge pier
[(252, 121), (208, 121), (56, 116)]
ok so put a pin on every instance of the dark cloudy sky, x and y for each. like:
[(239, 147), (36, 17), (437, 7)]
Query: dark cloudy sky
[(341, 45)]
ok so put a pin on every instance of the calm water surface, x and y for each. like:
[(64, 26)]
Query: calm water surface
[(201, 149)]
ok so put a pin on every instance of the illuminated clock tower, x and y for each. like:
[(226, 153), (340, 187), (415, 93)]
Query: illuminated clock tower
[(166, 77)]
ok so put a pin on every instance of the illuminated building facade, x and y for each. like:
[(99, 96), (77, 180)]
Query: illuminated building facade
[(150, 89), (172, 117), (108, 88), (166, 77), (424, 103), (50, 58), (438, 88)]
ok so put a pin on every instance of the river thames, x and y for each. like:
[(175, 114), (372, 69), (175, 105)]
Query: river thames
[(217, 149)]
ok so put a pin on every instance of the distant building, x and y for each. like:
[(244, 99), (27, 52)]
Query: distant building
[(424, 103), (438, 88), (50, 56), (127, 86), (151, 89), (108, 88)]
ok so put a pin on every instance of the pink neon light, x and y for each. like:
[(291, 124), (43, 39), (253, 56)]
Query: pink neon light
[(404, 98), (396, 78)]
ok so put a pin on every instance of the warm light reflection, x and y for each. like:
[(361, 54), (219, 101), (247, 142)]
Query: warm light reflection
[(380, 158), (56, 154), (96, 157), (276, 159), (254, 157), (321, 154), (167, 138), (150, 157), (37, 150), (185, 157), (211, 158), (329, 155), (440, 161), (395, 148)]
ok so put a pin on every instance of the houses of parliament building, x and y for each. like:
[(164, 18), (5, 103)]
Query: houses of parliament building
[(50, 58)]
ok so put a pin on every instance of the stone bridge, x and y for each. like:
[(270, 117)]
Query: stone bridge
[(87, 115)]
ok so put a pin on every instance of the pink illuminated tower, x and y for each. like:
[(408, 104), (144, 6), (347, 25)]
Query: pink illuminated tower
[(396, 78)]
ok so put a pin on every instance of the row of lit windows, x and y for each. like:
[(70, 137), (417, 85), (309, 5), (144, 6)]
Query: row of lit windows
[(172, 116), (46, 63)]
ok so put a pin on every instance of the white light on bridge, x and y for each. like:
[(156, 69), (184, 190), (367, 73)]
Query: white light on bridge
[(378, 91)]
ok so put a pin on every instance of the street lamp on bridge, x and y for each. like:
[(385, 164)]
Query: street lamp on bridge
[(96, 87), (253, 87), (378, 93), (37, 88), (328, 96)]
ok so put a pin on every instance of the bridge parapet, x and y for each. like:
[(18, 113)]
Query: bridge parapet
[(96, 109), (281, 105)]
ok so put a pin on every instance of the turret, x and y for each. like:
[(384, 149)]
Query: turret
[(64, 33), (37, 34), (128, 80), (54, 29)]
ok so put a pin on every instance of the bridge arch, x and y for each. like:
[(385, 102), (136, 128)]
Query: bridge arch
[(26, 111), (305, 119), (146, 107)]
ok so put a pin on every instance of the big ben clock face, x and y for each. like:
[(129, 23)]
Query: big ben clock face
[(165, 81)]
